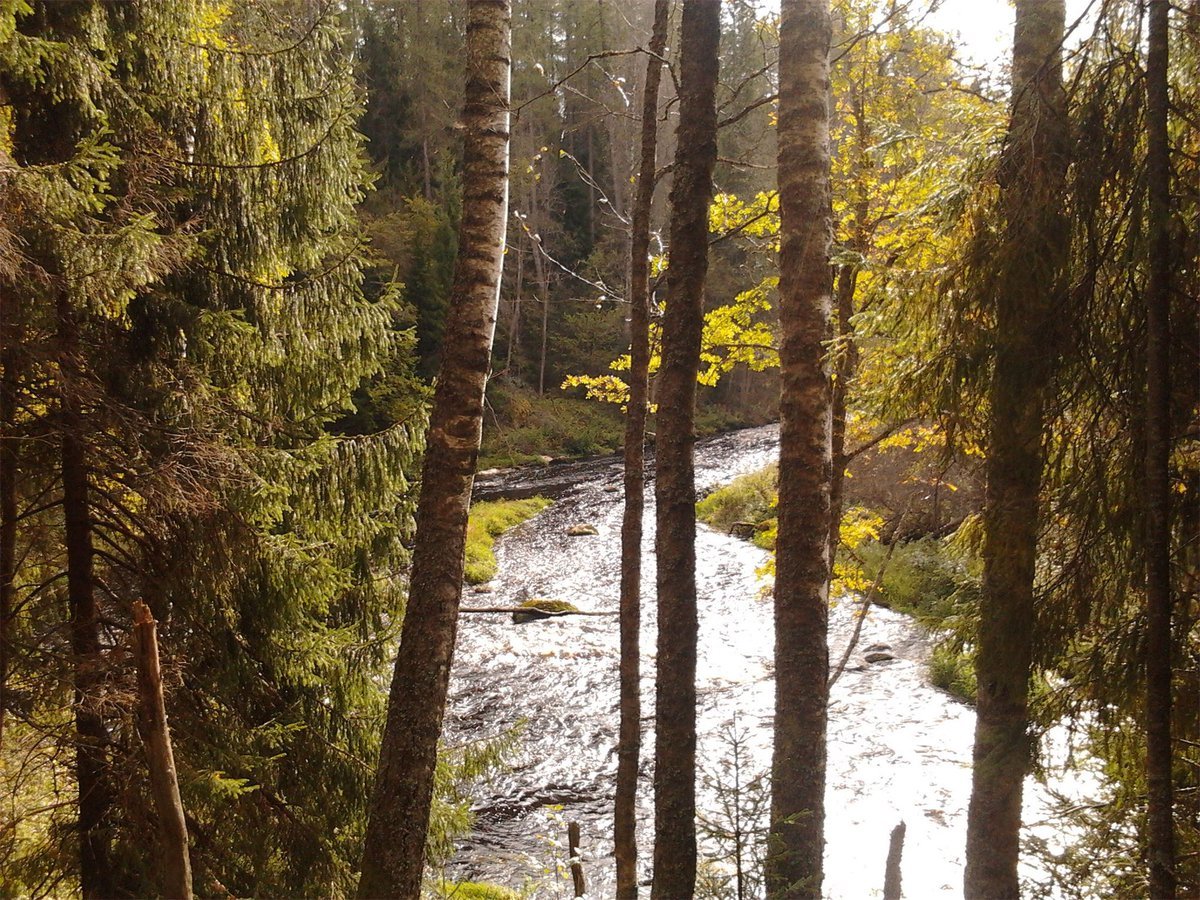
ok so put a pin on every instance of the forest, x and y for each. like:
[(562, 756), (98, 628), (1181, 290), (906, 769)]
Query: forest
[(501, 449)]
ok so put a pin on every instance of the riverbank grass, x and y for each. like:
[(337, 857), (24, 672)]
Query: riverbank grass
[(747, 503), (487, 521), (937, 581), (475, 890)]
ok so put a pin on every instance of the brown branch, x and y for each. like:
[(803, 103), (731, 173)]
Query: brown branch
[(878, 439), (745, 111), (869, 597), (560, 82), (536, 611)]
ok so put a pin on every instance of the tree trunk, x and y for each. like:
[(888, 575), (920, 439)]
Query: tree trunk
[(796, 844), (160, 758), (91, 736), (514, 325), (891, 873), (394, 856), (9, 337), (629, 744), (1032, 176), (542, 274), (847, 281), (675, 490), (847, 285), (1161, 826)]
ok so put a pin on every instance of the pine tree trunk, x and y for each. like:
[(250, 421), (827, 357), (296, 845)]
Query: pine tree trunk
[(9, 337), (393, 860), (1161, 827), (1030, 261), (629, 746), (160, 758), (91, 736), (796, 843), (675, 490)]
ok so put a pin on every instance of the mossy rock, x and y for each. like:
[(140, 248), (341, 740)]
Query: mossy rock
[(541, 608), (476, 890)]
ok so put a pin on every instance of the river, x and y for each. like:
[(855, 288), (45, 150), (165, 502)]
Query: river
[(899, 749)]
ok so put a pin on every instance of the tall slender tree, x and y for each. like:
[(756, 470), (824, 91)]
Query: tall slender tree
[(630, 737), (675, 487), (1025, 294), (796, 848), (394, 855), (1161, 830)]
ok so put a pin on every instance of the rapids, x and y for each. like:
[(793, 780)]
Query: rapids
[(899, 749)]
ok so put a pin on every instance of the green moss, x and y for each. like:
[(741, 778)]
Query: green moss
[(476, 890), (749, 498), (543, 604), (540, 608), (489, 520)]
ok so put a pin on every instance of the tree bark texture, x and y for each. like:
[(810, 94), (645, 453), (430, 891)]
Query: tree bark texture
[(394, 856), (1028, 272), (1161, 825), (796, 843), (9, 339), (629, 742), (160, 758), (675, 488), (92, 772)]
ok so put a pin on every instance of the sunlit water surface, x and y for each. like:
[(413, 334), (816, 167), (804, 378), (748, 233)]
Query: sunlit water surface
[(899, 749)]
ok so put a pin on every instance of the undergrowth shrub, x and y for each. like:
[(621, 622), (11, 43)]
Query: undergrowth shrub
[(521, 427)]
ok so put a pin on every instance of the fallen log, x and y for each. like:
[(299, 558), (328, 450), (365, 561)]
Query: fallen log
[(544, 613)]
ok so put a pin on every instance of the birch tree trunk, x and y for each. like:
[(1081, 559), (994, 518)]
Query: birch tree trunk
[(796, 842), (629, 743), (1028, 270), (1161, 820), (394, 855), (675, 488)]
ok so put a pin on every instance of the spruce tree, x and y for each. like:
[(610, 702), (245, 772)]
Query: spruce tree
[(189, 175), (1027, 296)]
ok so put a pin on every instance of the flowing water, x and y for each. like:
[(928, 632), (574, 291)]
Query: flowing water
[(899, 749)]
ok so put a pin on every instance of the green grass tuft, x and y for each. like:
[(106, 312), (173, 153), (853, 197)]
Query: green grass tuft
[(476, 890), (489, 520), (748, 498)]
